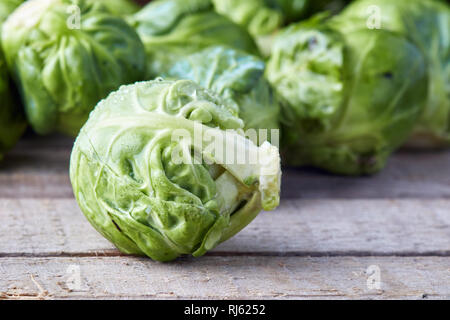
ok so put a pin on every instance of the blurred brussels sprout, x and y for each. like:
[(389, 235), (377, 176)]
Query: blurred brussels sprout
[(237, 77), (348, 99), (7, 7), (12, 122), (264, 18), (66, 55), (261, 17), (427, 24), (120, 7), (171, 29), (146, 177)]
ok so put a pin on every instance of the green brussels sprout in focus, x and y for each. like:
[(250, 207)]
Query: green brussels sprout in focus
[(146, 176), (171, 29), (427, 24), (348, 99), (12, 122), (66, 55), (237, 77)]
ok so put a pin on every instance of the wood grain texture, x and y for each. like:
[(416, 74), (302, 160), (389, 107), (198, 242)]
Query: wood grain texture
[(225, 277), (407, 175), (298, 228), (318, 244), (38, 168)]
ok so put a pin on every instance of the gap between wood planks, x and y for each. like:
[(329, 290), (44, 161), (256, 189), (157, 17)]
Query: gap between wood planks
[(347, 254)]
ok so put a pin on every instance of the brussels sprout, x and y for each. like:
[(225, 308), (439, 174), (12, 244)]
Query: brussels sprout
[(12, 122), (427, 24), (349, 99), (237, 77), (66, 55), (170, 29), (261, 17), (264, 18), (145, 175)]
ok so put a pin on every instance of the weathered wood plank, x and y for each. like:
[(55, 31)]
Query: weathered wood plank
[(38, 168), (42, 239), (408, 175), (226, 278), (298, 227), (18, 185)]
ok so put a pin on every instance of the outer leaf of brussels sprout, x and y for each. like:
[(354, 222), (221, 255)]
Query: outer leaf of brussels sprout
[(132, 190), (170, 29), (427, 24), (349, 99), (254, 15), (7, 7), (63, 69), (237, 77)]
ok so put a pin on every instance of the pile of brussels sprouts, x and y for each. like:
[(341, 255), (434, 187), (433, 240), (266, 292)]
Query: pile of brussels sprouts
[(345, 83)]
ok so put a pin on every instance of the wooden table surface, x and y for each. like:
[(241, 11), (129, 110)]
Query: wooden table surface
[(381, 237)]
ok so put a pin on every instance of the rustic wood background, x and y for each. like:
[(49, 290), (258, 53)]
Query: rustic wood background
[(326, 240)]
